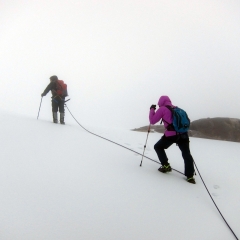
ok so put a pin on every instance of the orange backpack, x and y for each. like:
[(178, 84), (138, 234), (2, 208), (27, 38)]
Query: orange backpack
[(61, 88)]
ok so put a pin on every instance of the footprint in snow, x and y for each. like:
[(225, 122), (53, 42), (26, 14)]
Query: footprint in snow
[(215, 194), (216, 186)]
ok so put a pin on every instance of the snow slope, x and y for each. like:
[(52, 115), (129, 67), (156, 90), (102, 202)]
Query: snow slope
[(60, 182)]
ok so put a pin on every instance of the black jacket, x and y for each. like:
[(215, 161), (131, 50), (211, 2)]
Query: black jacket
[(52, 86)]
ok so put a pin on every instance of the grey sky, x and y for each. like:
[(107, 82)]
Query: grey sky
[(118, 57)]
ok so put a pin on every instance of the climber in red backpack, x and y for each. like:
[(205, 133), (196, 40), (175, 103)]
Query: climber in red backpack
[(59, 92)]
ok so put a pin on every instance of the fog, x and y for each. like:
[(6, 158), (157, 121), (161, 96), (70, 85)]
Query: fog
[(119, 57)]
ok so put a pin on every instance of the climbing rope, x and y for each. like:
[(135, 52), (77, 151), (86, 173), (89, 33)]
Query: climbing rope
[(115, 142), (157, 163)]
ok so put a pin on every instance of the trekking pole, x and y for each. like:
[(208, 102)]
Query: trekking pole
[(39, 107), (65, 102), (145, 144)]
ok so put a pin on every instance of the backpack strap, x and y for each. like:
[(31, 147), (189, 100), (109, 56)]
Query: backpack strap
[(170, 125), (170, 108)]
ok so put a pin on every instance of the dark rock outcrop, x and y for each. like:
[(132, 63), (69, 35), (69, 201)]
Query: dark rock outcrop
[(226, 129)]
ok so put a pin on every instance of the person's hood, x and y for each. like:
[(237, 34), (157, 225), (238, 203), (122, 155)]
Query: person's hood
[(164, 101)]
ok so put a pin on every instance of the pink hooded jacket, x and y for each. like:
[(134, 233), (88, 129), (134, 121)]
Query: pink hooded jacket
[(162, 113)]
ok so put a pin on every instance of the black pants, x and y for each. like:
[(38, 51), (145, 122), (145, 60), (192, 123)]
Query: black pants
[(58, 104), (182, 141)]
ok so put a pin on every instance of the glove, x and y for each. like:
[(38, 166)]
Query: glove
[(153, 106)]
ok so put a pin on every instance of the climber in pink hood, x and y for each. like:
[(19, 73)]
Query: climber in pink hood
[(171, 136), (162, 113)]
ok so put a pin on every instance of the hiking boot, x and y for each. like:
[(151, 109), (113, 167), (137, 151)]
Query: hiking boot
[(191, 180), (62, 118), (55, 117), (165, 168)]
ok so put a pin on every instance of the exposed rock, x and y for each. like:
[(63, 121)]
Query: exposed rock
[(226, 129)]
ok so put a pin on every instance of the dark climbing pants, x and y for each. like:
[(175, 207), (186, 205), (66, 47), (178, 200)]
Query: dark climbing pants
[(58, 104), (182, 140)]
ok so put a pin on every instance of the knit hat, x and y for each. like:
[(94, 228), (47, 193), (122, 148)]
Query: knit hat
[(53, 78)]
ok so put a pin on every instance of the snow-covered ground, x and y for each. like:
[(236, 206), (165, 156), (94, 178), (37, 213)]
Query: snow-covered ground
[(60, 182)]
